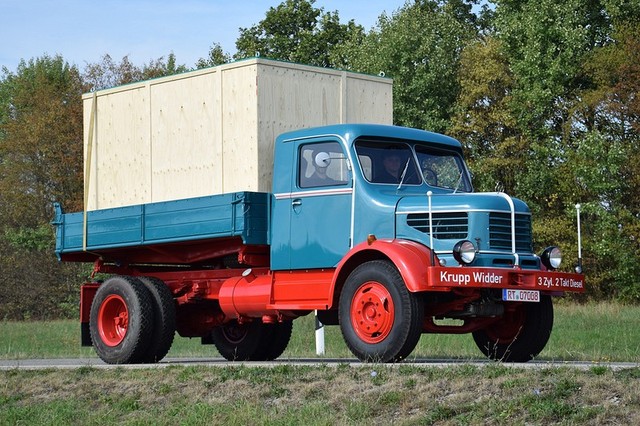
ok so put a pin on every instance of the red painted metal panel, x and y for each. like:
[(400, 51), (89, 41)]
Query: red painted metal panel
[(87, 293), (411, 259), (304, 289), (446, 279)]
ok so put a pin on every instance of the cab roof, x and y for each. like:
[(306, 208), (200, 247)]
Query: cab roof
[(351, 132)]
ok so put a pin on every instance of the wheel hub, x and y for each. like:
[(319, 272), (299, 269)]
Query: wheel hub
[(113, 320), (372, 312)]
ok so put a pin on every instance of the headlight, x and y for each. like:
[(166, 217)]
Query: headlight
[(551, 257), (464, 252)]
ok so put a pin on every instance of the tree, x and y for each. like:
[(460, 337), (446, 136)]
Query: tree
[(419, 47), (40, 140), (161, 67), (552, 112), (483, 120), (606, 121), (40, 162), (217, 56), (108, 73), (298, 32), (546, 42)]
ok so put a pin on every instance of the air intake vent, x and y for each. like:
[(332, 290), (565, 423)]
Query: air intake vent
[(446, 226), (500, 232)]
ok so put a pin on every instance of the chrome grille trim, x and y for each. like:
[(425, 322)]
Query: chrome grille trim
[(446, 226)]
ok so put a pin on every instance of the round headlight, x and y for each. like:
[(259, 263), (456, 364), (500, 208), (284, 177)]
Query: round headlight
[(551, 257), (464, 252)]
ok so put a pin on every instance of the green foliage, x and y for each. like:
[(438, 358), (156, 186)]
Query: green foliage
[(546, 42), (162, 67), (217, 56), (552, 115), (40, 141), (38, 239), (296, 31), (605, 127), (419, 47), (109, 73), (482, 120), (40, 162)]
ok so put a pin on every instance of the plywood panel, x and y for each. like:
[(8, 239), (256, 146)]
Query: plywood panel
[(89, 106), (295, 97), (121, 173), (240, 121), (368, 100), (186, 148)]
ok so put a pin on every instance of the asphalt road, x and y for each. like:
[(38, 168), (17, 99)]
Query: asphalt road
[(41, 364)]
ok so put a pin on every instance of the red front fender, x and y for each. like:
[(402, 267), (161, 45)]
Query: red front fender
[(412, 260)]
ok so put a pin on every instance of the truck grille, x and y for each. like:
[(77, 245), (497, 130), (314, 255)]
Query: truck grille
[(446, 226), (500, 232)]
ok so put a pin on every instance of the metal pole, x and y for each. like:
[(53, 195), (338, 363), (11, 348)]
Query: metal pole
[(579, 268), (433, 259), (319, 336)]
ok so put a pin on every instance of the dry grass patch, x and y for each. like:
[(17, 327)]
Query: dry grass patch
[(287, 394)]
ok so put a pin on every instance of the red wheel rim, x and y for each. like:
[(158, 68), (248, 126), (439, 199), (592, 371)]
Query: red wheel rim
[(506, 331), (113, 320), (372, 312)]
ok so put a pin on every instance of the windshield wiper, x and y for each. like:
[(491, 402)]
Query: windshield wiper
[(404, 173), (459, 182)]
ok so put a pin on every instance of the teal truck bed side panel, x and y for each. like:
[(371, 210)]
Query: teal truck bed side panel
[(244, 214)]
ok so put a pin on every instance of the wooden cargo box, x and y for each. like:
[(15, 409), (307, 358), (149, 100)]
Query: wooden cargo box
[(212, 131)]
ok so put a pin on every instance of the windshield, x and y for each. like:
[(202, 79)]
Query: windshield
[(399, 164), (443, 169), (390, 163)]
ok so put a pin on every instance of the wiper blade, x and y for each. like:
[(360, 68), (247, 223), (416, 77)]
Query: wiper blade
[(404, 173), (459, 182)]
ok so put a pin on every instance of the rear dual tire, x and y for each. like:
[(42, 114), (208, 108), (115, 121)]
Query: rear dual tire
[(132, 320), (252, 341)]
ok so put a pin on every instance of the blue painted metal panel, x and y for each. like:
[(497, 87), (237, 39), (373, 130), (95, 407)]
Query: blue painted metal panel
[(311, 225), (352, 131), (467, 216), (320, 230), (244, 214)]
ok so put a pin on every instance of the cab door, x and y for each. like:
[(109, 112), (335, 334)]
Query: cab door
[(318, 208)]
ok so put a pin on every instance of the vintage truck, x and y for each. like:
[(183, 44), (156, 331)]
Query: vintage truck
[(374, 227)]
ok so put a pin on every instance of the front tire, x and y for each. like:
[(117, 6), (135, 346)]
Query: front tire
[(520, 335), (121, 320), (381, 321)]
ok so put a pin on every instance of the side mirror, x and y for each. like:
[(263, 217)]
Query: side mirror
[(322, 159)]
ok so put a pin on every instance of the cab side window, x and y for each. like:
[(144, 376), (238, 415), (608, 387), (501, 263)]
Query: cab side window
[(322, 164)]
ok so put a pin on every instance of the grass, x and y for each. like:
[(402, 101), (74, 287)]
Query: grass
[(320, 395), (594, 332), (339, 394)]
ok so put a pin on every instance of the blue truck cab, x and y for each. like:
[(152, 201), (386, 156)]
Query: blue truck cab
[(380, 180)]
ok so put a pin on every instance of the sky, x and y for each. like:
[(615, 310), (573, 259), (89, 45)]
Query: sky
[(83, 31)]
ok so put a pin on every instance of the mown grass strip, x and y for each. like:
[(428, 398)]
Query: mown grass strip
[(595, 332)]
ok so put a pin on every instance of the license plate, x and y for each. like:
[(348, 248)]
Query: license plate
[(520, 295)]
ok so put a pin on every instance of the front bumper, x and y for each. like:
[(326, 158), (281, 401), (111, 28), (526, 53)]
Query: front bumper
[(447, 279)]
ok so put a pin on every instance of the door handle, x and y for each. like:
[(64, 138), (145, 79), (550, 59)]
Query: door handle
[(297, 202)]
